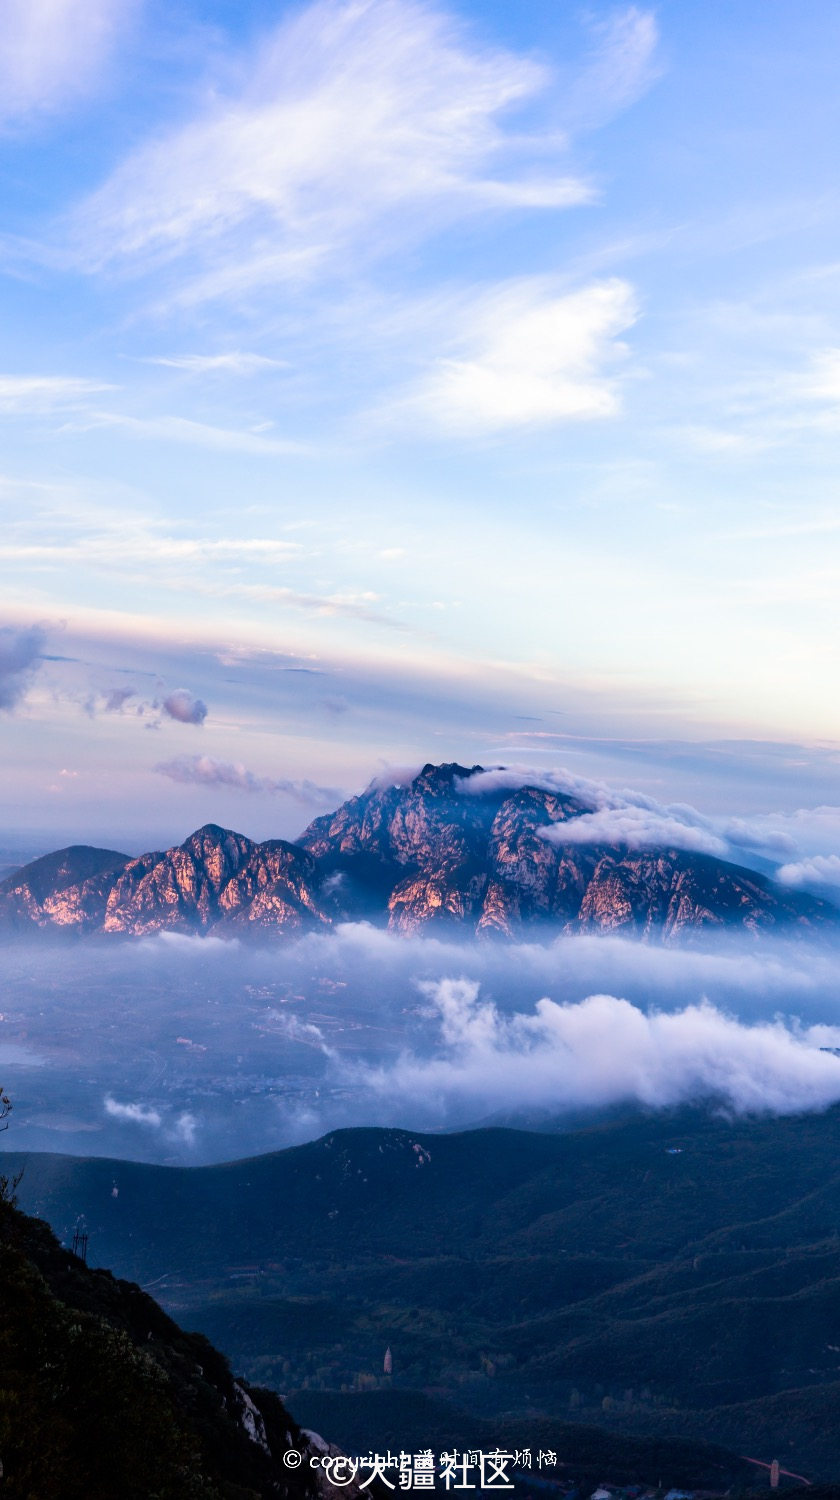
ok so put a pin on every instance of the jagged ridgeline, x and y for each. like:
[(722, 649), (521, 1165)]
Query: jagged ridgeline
[(449, 848), (103, 1396)]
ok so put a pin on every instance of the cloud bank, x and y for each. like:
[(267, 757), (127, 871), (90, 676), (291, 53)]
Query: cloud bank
[(637, 828), (819, 869), (605, 1051), (256, 1048), (637, 821)]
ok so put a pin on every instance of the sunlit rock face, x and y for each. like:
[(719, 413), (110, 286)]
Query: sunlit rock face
[(216, 878), (67, 889), (440, 852), (178, 890), (278, 887)]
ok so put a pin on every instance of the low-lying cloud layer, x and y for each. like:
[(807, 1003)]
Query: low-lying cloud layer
[(605, 1051), (819, 869), (637, 828), (181, 1129), (226, 1049)]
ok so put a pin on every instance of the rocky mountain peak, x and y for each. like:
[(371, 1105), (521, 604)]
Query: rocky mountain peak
[(442, 780)]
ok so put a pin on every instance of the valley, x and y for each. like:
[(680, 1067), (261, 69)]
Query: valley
[(661, 1275)]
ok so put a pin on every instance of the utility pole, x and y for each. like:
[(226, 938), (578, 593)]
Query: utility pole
[(80, 1239)]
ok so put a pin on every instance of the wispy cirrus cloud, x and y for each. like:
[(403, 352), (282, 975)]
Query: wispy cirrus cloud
[(53, 52), (75, 401), (233, 362), (176, 429), (622, 65), (46, 393), (356, 124)]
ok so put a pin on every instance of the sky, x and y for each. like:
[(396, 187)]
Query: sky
[(385, 381)]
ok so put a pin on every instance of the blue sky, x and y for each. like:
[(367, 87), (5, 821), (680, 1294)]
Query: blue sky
[(401, 381)]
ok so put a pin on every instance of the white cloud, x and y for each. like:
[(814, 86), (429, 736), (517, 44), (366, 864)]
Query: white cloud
[(823, 381), (637, 828), (185, 1128), (528, 354), (184, 430), (819, 869), (622, 66), (605, 1050), (137, 542), (135, 1114), (235, 362), (182, 1130), (53, 51), (45, 393), (632, 818), (355, 117)]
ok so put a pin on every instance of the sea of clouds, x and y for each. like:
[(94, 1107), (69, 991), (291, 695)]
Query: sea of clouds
[(196, 1049)]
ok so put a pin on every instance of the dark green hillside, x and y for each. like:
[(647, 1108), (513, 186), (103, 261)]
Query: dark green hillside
[(102, 1395), (664, 1274)]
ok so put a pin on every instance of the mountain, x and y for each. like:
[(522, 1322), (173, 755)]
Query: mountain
[(67, 889), (444, 850), (215, 879), (104, 1395), (664, 1275)]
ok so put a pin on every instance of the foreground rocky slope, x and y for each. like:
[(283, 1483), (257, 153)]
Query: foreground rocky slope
[(449, 848), (103, 1395)]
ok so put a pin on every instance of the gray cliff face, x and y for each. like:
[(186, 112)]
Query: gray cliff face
[(440, 852)]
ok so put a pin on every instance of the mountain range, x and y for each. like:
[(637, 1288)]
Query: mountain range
[(447, 848)]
